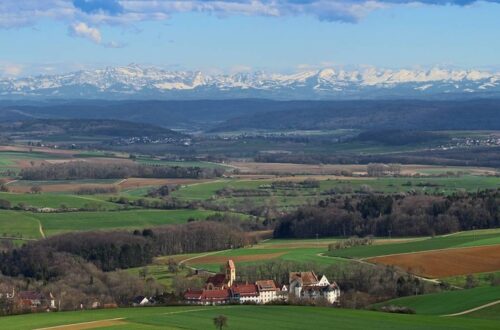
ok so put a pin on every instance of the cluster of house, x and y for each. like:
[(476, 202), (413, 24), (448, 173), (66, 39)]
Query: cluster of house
[(30, 300), (223, 289)]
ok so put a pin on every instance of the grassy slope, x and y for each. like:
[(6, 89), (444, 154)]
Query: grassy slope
[(444, 185), (490, 313), (464, 239), (291, 252), (248, 317), (56, 200), (482, 279), (448, 302), (18, 224), (54, 223)]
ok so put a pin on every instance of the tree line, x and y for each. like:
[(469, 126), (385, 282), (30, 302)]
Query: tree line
[(399, 215), (80, 170), (111, 250)]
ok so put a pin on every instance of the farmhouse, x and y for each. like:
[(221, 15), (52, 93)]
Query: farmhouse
[(36, 300), (30, 300), (141, 301), (306, 285)]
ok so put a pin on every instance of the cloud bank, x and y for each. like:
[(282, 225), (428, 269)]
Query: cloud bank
[(19, 13), (86, 16)]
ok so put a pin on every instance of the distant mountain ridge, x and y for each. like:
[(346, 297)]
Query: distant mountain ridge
[(138, 82)]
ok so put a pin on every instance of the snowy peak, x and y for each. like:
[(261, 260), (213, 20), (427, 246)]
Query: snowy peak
[(135, 81)]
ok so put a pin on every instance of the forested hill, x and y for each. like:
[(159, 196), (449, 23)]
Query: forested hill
[(414, 115), (231, 115), (88, 128)]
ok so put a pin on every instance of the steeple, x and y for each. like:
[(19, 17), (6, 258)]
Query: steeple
[(230, 272)]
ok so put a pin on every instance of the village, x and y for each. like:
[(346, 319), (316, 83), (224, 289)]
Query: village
[(222, 288)]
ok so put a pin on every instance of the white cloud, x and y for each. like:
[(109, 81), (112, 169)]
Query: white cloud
[(84, 31), (15, 13)]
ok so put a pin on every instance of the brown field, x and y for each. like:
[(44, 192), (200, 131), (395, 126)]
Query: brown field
[(55, 188), (286, 168), (444, 263), (38, 149), (216, 259), (95, 160), (143, 182), (90, 325), (123, 185), (295, 245)]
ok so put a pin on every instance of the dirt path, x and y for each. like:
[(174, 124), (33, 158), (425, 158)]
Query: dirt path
[(120, 182), (117, 321), (475, 309), (88, 325), (40, 228), (199, 256)]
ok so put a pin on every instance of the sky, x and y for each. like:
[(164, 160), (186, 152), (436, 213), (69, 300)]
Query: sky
[(55, 36)]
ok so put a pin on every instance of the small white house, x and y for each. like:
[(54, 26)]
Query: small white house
[(140, 301)]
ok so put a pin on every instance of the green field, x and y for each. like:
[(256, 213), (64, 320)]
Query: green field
[(481, 279), (289, 250), (19, 224), (459, 240), (246, 317), (57, 200), (200, 164), (287, 198), (9, 159), (489, 313), (26, 223), (448, 302)]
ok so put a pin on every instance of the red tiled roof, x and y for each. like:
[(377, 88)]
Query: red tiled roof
[(30, 295), (245, 289), (217, 279), (266, 285), (193, 294), (307, 278), (211, 295), (216, 294)]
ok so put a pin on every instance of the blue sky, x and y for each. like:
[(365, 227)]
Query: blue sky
[(237, 35)]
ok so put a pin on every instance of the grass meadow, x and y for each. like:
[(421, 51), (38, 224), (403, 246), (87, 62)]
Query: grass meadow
[(15, 223), (448, 302), (244, 318)]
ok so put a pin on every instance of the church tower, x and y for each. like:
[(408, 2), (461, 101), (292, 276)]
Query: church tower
[(230, 272)]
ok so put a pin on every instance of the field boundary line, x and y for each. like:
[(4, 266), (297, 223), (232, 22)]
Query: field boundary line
[(17, 238), (81, 323), (361, 261), (493, 303), (428, 251), (120, 182), (12, 181), (195, 310), (40, 227), (200, 256)]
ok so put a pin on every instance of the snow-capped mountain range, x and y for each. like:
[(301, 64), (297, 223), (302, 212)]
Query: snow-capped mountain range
[(137, 82)]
